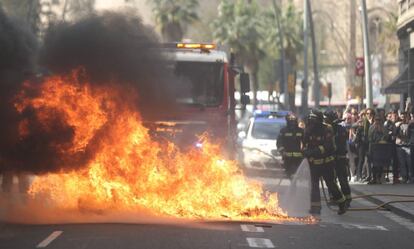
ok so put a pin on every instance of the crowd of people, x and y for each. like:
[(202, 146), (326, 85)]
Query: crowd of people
[(380, 146), (367, 146)]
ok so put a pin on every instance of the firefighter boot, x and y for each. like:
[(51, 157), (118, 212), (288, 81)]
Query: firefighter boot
[(342, 208), (348, 203)]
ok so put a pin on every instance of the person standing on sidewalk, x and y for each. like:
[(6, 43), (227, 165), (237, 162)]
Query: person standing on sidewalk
[(403, 148), (392, 132), (319, 149), (411, 139), (366, 120), (380, 149)]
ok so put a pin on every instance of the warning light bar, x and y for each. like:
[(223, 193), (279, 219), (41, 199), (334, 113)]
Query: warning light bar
[(196, 46)]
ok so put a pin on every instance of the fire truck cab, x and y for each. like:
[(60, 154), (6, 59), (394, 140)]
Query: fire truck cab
[(204, 86)]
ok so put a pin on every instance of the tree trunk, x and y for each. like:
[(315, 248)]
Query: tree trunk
[(252, 68), (292, 61)]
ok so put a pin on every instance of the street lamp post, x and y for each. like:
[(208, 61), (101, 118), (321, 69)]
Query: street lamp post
[(316, 85), (367, 56), (282, 55), (305, 86)]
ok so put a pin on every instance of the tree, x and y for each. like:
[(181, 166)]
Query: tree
[(172, 17), (239, 25), (29, 11), (77, 8), (291, 24), (388, 37), (39, 14)]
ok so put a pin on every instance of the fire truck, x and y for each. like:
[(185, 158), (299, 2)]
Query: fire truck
[(204, 83)]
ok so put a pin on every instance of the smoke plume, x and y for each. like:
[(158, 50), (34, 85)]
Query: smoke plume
[(18, 48), (111, 49)]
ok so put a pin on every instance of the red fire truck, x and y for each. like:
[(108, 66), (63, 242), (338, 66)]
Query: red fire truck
[(204, 85)]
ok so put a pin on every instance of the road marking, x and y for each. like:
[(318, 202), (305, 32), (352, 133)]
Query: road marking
[(365, 227), (260, 243), (398, 219), (49, 239), (251, 228)]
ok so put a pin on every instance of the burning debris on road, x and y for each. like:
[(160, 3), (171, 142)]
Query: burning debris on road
[(81, 130), (128, 170)]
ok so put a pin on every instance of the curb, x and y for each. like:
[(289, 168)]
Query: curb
[(398, 211)]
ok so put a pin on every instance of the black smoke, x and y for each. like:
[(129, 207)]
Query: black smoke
[(112, 48), (18, 50)]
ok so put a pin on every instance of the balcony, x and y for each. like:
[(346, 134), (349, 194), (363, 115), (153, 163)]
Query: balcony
[(406, 13)]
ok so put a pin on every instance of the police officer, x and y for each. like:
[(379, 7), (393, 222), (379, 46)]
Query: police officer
[(289, 144), (319, 149), (341, 162)]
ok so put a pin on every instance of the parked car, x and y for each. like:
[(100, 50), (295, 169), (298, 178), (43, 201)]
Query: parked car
[(258, 141)]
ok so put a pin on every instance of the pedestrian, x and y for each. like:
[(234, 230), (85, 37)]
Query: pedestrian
[(289, 144), (379, 149), (403, 148), (362, 142), (319, 149), (352, 126), (392, 132), (380, 112), (341, 160), (411, 140), (355, 115)]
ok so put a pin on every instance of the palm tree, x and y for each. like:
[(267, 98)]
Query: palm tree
[(172, 17), (291, 23), (239, 25)]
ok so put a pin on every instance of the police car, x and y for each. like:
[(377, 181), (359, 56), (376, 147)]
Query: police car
[(258, 141)]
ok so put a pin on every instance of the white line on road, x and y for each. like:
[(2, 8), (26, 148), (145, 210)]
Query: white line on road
[(260, 243), (252, 229), (400, 220), (364, 227), (49, 239)]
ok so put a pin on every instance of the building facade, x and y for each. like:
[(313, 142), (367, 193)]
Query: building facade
[(403, 83)]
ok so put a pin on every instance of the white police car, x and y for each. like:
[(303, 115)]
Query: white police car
[(258, 141)]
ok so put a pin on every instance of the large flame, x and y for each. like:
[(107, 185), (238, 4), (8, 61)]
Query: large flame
[(129, 170)]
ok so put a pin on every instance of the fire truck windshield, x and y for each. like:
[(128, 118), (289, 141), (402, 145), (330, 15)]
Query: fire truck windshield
[(199, 83)]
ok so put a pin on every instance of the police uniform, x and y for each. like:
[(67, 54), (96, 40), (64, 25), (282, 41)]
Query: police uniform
[(319, 144), (289, 143)]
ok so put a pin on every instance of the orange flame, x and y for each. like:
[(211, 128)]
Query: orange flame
[(129, 171)]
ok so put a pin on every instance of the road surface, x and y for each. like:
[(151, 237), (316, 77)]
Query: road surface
[(374, 229)]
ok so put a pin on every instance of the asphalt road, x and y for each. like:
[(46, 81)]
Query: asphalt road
[(373, 229)]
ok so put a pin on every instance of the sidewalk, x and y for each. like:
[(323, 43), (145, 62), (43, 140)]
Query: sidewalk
[(405, 209)]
